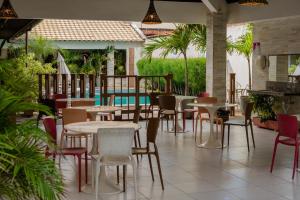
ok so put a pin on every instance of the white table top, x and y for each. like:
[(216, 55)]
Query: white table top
[(182, 97), (93, 126), (97, 109), (77, 99), (212, 105)]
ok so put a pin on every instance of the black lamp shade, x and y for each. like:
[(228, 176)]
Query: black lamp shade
[(253, 2), (7, 11), (151, 16)]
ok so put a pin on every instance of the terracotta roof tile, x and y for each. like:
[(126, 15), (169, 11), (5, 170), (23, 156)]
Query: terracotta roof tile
[(87, 30)]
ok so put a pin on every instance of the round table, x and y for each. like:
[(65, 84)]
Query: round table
[(212, 141), (76, 99), (94, 110), (106, 186)]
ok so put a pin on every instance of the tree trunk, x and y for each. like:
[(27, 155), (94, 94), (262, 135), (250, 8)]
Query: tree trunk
[(249, 70), (186, 74)]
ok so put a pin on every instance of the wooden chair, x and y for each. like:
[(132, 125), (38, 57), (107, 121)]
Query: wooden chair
[(167, 108), (136, 119), (154, 104), (108, 115), (188, 110), (152, 129), (85, 103), (71, 115), (50, 127), (247, 121)]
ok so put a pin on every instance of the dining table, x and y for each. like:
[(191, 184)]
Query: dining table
[(213, 142), (94, 110), (91, 127)]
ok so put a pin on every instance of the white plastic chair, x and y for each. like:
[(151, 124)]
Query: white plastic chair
[(115, 147)]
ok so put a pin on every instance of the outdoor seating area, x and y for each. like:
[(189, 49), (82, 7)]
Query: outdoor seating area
[(149, 100)]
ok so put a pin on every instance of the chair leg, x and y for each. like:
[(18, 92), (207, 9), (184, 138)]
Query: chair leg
[(273, 156), (196, 127), (79, 173), (193, 121), (175, 129), (295, 161), (247, 136), (124, 177), (151, 168), (251, 129), (134, 178), (97, 180), (201, 127), (136, 145), (159, 167), (183, 120), (118, 174), (86, 167), (228, 135), (223, 133)]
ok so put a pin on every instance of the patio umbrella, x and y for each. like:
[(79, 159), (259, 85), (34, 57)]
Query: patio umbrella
[(62, 66), (297, 71)]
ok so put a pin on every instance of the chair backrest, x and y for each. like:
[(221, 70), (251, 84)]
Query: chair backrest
[(115, 141), (152, 129), (136, 115), (208, 100), (167, 102), (61, 104), (82, 103), (111, 100), (287, 125), (72, 115), (59, 96), (248, 110), (203, 94), (184, 103), (154, 99), (50, 128)]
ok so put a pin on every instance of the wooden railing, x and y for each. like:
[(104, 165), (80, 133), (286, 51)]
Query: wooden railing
[(130, 87)]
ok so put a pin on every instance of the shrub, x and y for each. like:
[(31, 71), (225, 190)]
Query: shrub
[(160, 66)]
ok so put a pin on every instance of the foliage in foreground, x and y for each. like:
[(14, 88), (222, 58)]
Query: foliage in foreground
[(159, 66), (25, 173)]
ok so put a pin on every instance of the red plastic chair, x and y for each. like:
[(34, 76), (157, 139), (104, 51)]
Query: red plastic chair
[(203, 94), (287, 135), (50, 127)]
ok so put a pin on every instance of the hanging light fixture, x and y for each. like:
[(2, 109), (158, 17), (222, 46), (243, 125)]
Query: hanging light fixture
[(151, 16), (253, 2), (7, 11)]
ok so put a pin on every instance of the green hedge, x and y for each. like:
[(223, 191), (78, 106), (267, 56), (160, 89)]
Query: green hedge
[(160, 66)]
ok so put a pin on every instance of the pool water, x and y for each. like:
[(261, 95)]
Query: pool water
[(124, 100)]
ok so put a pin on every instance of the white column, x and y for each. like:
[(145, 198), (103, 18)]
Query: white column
[(216, 56), (111, 67)]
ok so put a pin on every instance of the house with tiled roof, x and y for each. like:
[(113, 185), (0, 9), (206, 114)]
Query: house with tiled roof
[(92, 35)]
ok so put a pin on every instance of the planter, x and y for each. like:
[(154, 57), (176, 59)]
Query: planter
[(269, 124)]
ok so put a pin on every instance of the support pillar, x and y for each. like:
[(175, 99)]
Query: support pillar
[(111, 67), (216, 56)]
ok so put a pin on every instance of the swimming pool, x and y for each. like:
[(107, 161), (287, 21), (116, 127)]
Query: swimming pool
[(124, 100)]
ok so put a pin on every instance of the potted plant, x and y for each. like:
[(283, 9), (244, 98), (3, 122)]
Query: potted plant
[(263, 107)]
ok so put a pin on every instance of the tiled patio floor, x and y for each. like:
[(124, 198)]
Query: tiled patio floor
[(201, 174)]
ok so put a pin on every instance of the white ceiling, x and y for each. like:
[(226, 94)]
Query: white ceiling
[(134, 10)]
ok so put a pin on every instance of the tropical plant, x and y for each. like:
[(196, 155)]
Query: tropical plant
[(175, 66), (243, 46), (177, 43), (25, 173), (11, 104), (22, 80), (42, 48)]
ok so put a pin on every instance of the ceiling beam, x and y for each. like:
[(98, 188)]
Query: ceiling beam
[(215, 6)]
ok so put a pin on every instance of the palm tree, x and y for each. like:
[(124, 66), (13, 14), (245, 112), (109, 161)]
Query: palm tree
[(243, 46), (176, 43)]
